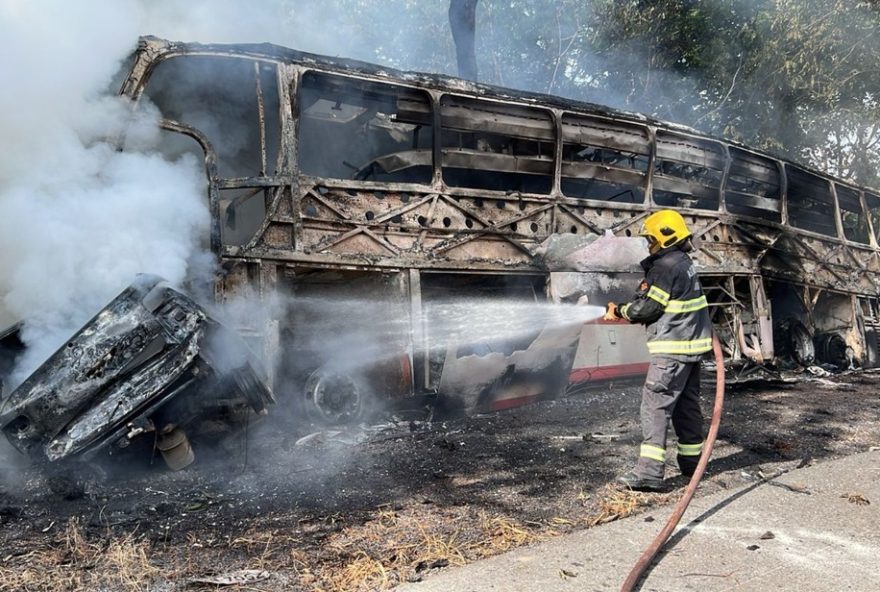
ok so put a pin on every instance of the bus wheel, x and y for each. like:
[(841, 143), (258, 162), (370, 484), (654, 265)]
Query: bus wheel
[(335, 397)]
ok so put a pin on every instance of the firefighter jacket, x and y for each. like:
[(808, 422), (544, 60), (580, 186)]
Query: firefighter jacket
[(671, 304)]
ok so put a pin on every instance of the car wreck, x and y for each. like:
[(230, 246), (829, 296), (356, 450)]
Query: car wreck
[(147, 372)]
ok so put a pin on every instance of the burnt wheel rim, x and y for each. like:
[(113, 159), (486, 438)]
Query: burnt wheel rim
[(335, 396)]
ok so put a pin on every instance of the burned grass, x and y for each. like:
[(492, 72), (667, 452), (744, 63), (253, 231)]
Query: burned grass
[(375, 552), (391, 546), (74, 561)]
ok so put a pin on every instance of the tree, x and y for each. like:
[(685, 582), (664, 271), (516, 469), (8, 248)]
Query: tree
[(462, 22), (795, 77)]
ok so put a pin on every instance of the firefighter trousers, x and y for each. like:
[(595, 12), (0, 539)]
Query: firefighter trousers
[(671, 391)]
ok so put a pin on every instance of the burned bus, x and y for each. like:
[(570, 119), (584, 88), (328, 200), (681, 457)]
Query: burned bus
[(336, 180)]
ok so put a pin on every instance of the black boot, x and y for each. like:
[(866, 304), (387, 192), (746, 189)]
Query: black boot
[(688, 465), (633, 481)]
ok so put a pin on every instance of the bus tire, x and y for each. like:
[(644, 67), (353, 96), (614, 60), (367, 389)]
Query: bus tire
[(334, 396)]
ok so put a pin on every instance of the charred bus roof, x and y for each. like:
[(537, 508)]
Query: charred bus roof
[(155, 49), (158, 49)]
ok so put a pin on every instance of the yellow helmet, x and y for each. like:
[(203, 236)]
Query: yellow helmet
[(664, 229)]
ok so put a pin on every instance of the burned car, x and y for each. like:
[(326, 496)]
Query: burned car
[(151, 367)]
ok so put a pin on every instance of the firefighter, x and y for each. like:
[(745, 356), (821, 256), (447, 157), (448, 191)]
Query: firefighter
[(671, 304)]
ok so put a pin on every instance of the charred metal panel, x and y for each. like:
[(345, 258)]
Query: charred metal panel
[(479, 369), (137, 366), (600, 270), (498, 380)]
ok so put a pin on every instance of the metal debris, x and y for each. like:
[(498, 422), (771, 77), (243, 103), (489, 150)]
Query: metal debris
[(328, 437), (152, 365), (604, 437)]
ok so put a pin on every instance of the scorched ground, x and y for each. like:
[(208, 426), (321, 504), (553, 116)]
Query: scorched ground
[(285, 507)]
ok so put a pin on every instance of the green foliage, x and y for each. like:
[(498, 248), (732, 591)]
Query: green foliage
[(797, 77)]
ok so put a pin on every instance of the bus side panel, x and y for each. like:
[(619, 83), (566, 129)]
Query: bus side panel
[(610, 350)]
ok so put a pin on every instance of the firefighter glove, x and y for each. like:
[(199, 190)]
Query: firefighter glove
[(611, 312)]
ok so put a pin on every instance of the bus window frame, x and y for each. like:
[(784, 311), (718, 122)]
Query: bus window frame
[(553, 118), (215, 183), (875, 228), (294, 101), (787, 166), (647, 174), (859, 194), (722, 154), (780, 188)]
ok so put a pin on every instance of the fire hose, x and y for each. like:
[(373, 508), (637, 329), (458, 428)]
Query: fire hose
[(648, 554)]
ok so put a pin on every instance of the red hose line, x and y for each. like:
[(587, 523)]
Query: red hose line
[(648, 555)]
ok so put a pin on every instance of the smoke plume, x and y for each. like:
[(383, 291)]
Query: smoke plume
[(78, 218)]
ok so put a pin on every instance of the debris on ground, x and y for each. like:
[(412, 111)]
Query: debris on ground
[(397, 506), (240, 577), (148, 373), (856, 498)]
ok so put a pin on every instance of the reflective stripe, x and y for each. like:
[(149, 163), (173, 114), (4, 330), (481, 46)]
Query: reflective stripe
[(658, 295), (681, 306), (697, 346), (690, 449), (622, 310), (652, 452)]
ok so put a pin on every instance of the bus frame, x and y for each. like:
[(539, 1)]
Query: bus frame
[(473, 185)]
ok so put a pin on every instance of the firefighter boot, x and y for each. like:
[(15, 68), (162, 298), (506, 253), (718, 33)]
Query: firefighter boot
[(633, 481), (688, 465)]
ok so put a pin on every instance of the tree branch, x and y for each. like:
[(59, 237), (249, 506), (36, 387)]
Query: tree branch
[(560, 53), (727, 96)]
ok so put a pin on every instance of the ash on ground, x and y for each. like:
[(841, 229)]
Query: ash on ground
[(368, 507)]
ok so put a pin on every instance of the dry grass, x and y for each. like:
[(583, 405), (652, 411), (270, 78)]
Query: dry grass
[(503, 534), (72, 562), (615, 503), (388, 548), (392, 547), (361, 573)]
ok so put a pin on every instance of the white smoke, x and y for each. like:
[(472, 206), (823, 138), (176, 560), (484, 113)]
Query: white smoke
[(407, 35), (78, 219), (218, 21)]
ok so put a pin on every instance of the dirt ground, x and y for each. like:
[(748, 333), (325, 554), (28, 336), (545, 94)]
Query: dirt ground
[(285, 509)]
